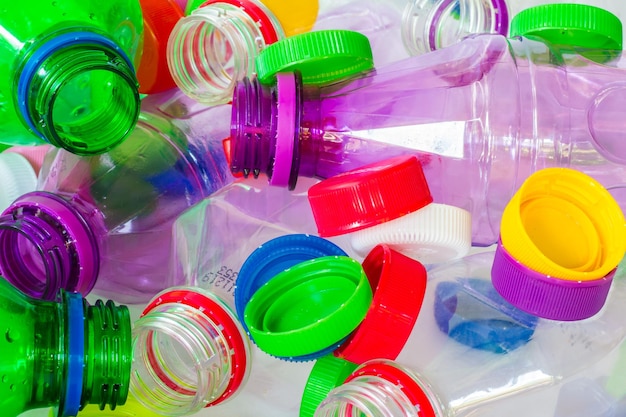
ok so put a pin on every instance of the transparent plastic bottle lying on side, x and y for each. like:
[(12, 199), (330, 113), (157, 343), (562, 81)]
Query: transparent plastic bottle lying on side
[(104, 221), (481, 115)]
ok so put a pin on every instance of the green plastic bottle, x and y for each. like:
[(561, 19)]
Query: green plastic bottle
[(64, 354), (67, 73)]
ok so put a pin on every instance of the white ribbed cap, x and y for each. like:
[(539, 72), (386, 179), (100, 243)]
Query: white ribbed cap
[(432, 234), (17, 177)]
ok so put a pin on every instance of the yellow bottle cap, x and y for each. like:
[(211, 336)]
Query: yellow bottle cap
[(294, 16), (563, 223)]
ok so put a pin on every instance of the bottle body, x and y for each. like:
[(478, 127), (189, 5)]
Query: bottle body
[(213, 239), (485, 357), (127, 199), (63, 61), (481, 115)]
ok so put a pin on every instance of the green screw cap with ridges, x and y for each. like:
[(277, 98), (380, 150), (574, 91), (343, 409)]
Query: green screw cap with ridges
[(574, 25), (321, 56), (327, 373)]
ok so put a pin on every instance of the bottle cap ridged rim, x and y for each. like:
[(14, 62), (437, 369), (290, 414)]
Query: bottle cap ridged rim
[(369, 195), (320, 56)]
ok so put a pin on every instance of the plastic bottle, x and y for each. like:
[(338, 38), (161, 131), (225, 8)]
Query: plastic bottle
[(482, 357), (105, 221), (447, 108), (213, 239), (433, 24), (186, 351), (234, 31), (68, 73), (64, 354)]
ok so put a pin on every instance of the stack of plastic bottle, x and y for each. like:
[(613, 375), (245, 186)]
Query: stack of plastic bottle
[(407, 208)]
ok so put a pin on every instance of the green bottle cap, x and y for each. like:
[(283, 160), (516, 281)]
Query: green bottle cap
[(321, 56), (309, 306), (328, 372), (573, 25)]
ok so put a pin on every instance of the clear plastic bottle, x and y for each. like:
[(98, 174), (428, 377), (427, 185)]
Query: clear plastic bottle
[(428, 25), (105, 221), (68, 73), (481, 115), (471, 353)]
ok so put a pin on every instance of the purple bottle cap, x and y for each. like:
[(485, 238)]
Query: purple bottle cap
[(546, 296), (46, 245)]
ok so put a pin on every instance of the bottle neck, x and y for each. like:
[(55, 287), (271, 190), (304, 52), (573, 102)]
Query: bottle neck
[(81, 354), (233, 32), (46, 244), (381, 388), (79, 92), (266, 129), (426, 28), (189, 352)]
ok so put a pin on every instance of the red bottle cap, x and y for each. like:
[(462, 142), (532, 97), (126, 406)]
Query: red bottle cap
[(369, 195), (399, 284)]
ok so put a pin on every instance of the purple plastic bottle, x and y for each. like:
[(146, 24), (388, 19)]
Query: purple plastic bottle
[(104, 222), (481, 115)]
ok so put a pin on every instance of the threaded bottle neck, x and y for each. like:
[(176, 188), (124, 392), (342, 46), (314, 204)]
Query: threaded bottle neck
[(371, 396), (265, 129), (79, 92), (426, 27), (108, 356), (189, 352), (215, 46), (382, 388), (46, 245)]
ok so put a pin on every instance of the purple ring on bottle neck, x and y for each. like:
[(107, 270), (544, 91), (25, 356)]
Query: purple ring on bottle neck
[(42, 53), (63, 249), (500, 24)]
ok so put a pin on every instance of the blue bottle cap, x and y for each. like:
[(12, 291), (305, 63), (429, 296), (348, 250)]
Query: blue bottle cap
[(273, 257)]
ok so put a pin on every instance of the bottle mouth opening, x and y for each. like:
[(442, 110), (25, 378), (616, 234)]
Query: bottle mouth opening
[(186, 358), (40, 254), (428, 25), (208, 54), (27, 263), (79, 92)]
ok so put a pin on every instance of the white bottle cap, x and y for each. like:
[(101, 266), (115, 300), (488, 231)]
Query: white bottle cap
[(17, 177), (435, 233)]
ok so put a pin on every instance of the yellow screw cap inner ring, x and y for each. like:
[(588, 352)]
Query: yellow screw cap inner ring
[(563, 223)]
